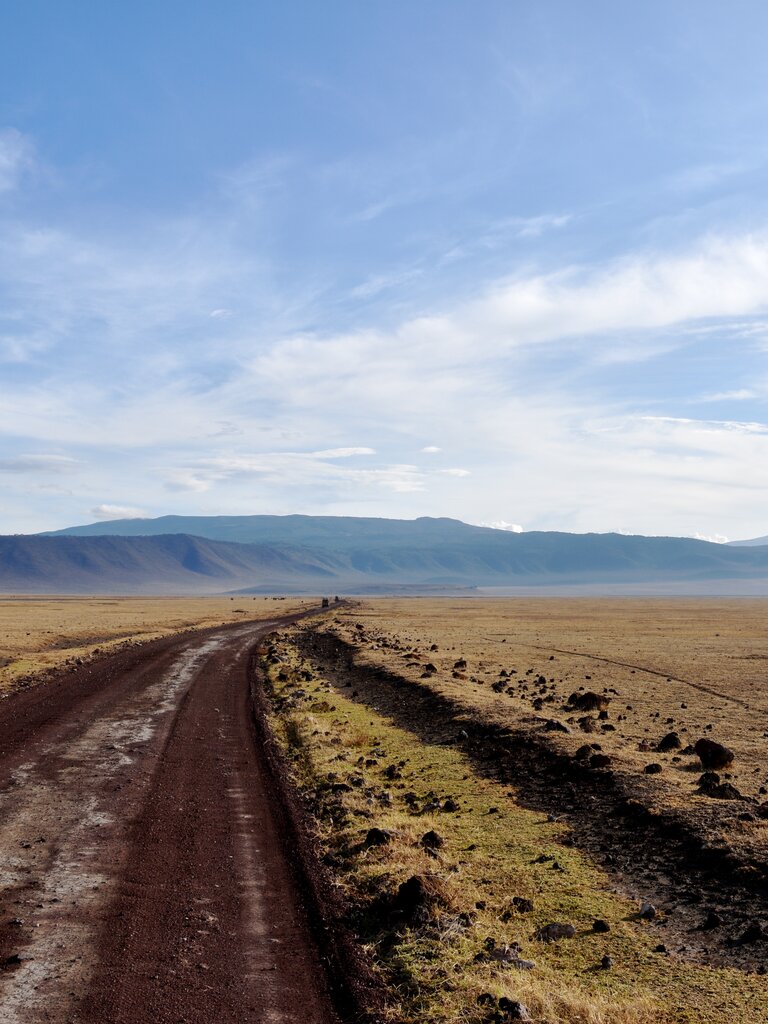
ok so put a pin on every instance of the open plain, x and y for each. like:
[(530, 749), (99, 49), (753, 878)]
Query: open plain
[(42, 634), (503, 748), (409, 810)]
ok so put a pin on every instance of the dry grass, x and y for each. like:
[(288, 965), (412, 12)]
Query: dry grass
[(438, 967), (698, 667), (38, 634)]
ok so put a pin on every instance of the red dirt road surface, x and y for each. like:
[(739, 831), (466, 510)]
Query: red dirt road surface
[(144, 873)]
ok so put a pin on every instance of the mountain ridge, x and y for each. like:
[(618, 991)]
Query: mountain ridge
[(350, 554)]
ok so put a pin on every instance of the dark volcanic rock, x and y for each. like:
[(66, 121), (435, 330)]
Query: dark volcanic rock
[(556, 930), (554, 726), (714, 756), (432, 841), (599, 761), (377, 837), (589, 701), (754, 932), (710, 785), (669, 742)]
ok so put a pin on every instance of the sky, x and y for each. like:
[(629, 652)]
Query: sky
[(499, 260)]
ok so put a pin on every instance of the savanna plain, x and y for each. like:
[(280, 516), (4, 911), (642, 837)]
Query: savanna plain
[(508, 798)]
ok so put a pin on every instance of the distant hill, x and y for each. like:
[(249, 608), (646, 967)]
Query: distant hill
[(175, 564), (756, 542), (190, 554)]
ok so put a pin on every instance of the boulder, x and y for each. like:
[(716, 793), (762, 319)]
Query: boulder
[(713, 756), (669, 742), (589, 701)]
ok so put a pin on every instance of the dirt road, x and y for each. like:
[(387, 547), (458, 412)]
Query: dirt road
[(143, 869)]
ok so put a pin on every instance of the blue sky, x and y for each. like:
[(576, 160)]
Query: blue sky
[(502, 261)]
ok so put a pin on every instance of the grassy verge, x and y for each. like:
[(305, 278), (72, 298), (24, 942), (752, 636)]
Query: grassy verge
[(448, 881)]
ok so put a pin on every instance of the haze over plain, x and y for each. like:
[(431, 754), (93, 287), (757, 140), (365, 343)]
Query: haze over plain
[(506, 263)]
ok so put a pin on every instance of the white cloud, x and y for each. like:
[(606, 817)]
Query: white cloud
[(37, 464), (455, 472), (738, 395), (431, 449), (532, 227), (107, 512), (502, 524), (16, 156), (342, 453)]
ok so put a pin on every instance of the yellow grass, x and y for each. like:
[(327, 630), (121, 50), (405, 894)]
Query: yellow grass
[(43, 633), (488, 858)]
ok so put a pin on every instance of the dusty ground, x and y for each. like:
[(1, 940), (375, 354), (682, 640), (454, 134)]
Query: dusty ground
[(40, 634), (145, 870), (452, 692), (697, 667)]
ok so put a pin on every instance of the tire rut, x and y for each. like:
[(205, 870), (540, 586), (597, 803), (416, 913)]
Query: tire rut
[(144, 873)]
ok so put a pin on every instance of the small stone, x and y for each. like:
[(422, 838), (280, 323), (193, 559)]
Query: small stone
[(607, 962), (522, 905), (669, 742), (514, 1010), (432, 841), (648, 912), (600, 926), (653, 769), (712, 920), (754, 932), (599, 761), (556, 930), (377, 837), (713, 756)]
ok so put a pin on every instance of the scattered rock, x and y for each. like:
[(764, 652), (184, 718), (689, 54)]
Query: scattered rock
[(589, 701), (607, 962), (600, 926), (556, 930), (710, 785), (552, 725), (599, 761), (754, 932), (669, 742), (713, 756), (653, 769), (585, 751), (377, 837), (712, 920), (432, 841), (648, 912), (513, 1009)]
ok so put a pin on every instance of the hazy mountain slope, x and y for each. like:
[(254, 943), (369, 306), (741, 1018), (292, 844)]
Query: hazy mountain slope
[(166, 564), (336, 532), (755, 542), (315, 553)]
